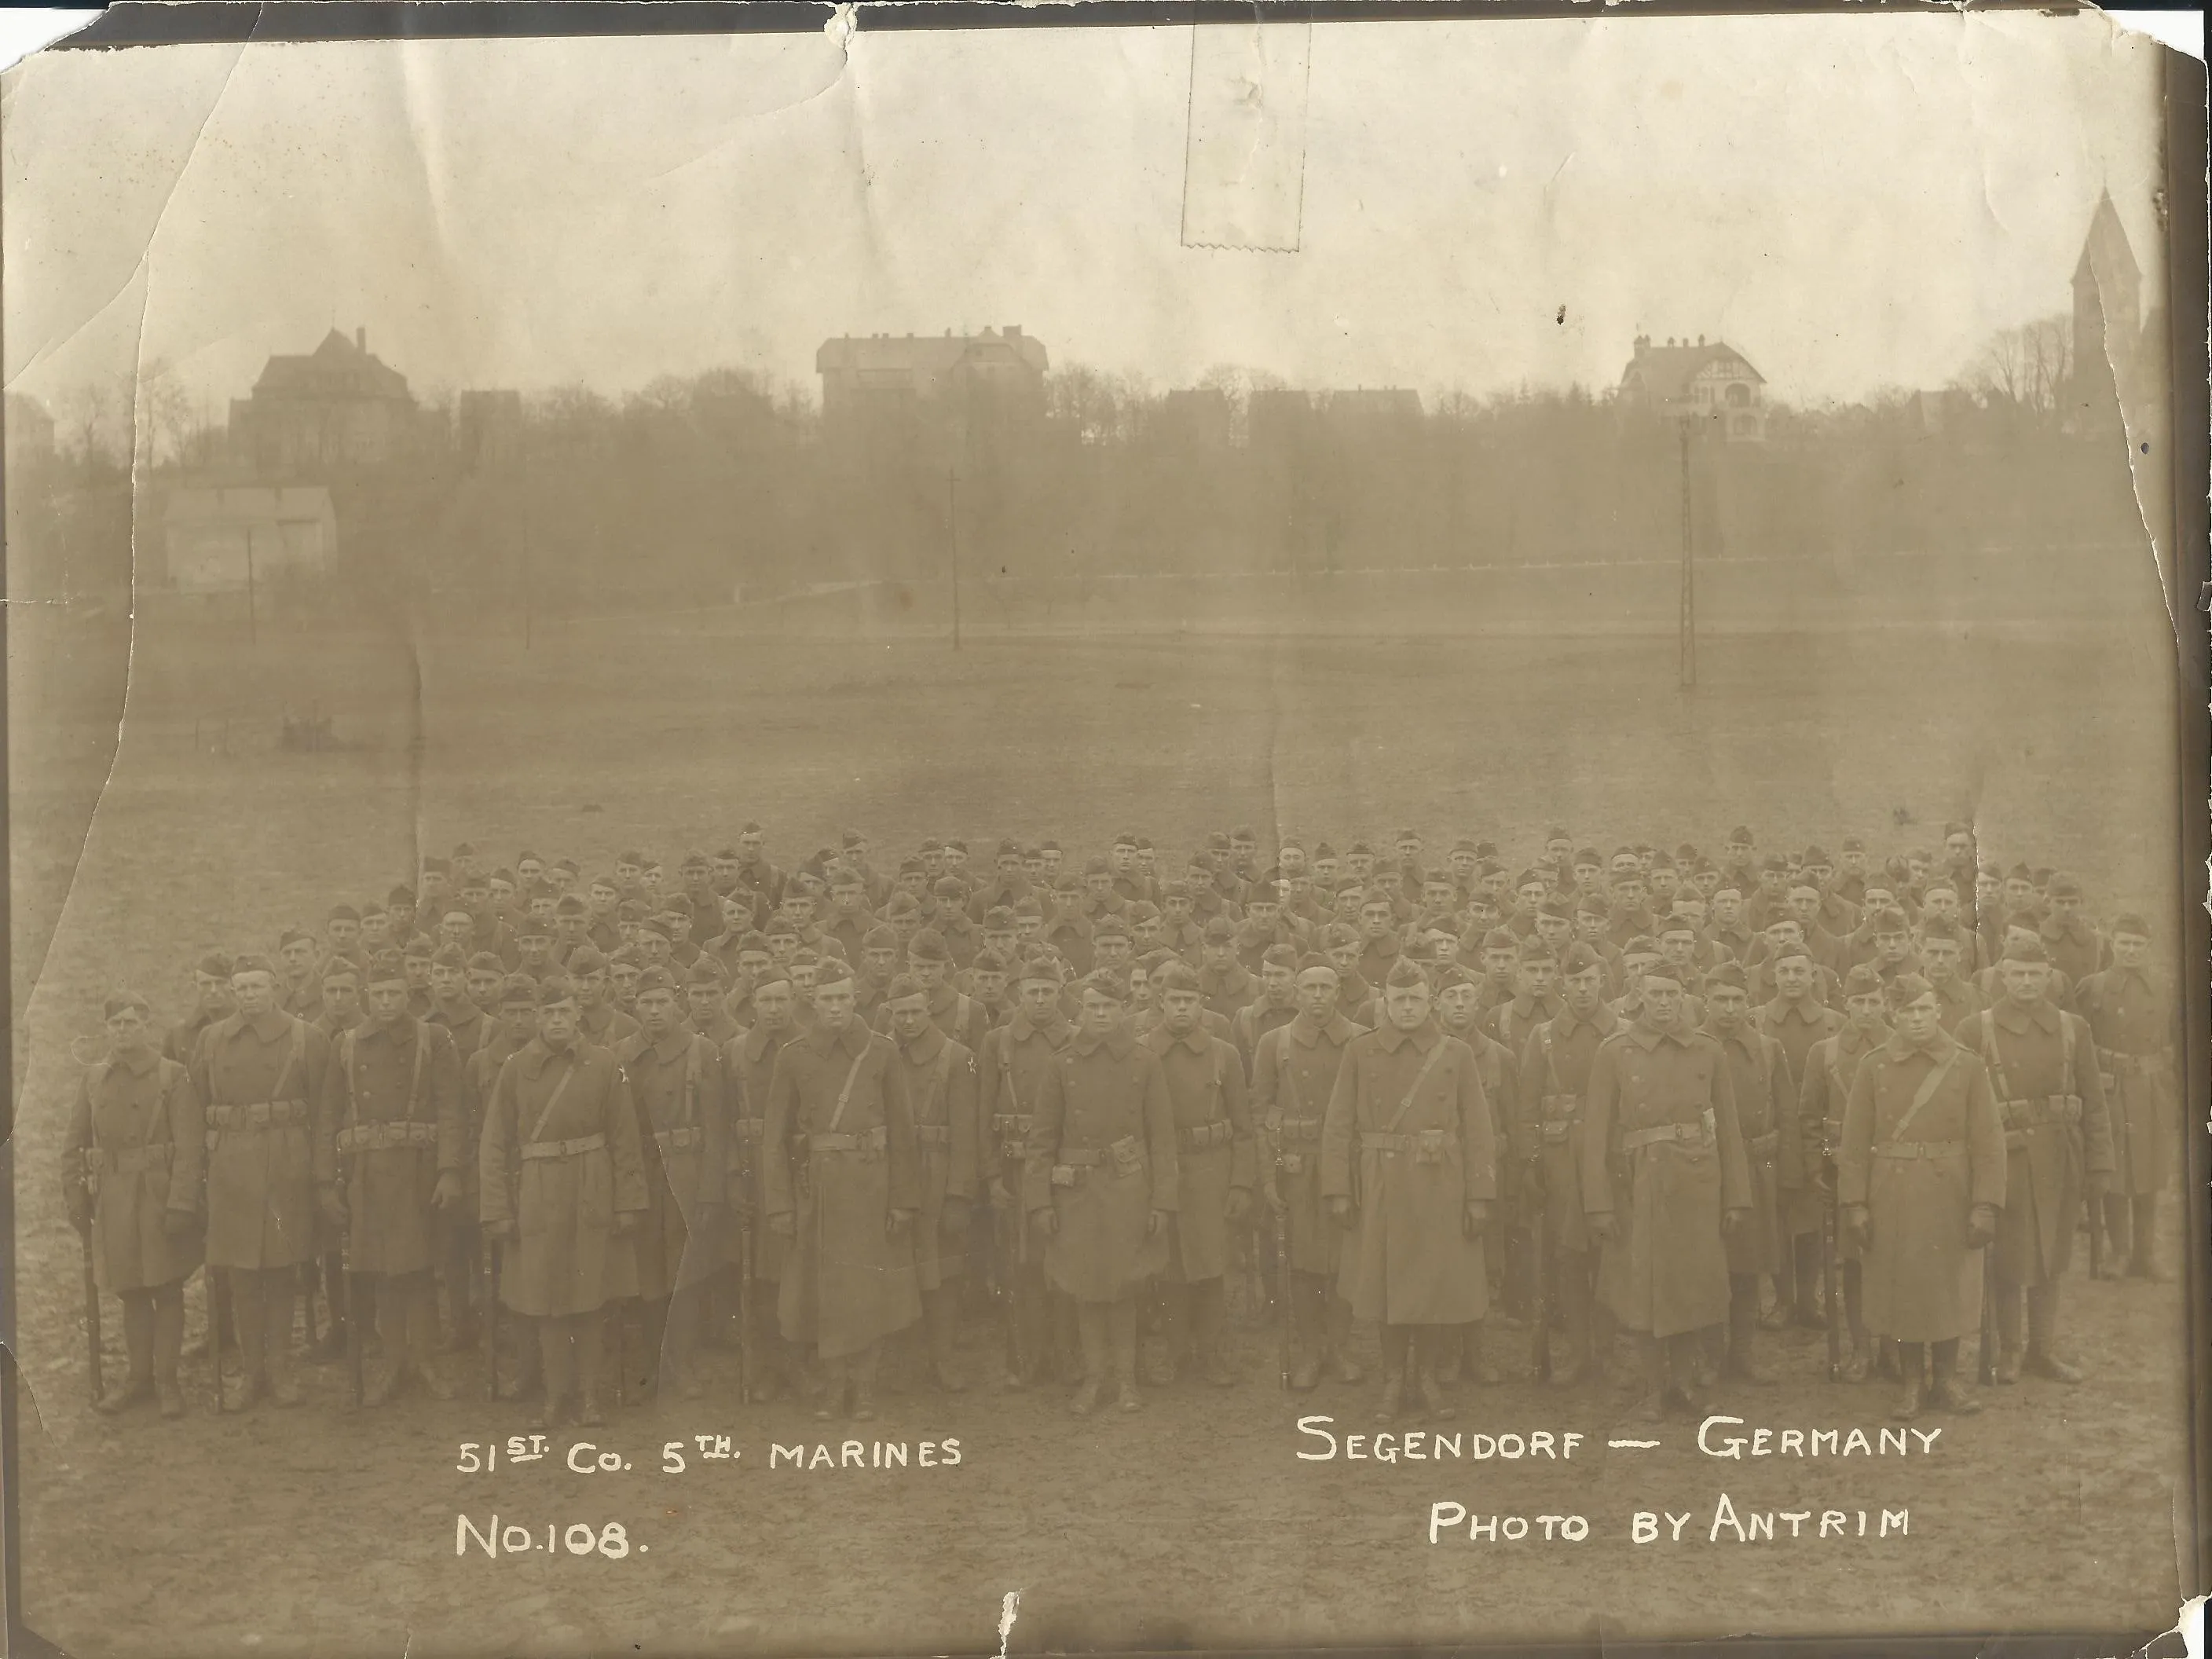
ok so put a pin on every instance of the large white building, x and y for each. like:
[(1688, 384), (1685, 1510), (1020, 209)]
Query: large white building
[(1684, 377)]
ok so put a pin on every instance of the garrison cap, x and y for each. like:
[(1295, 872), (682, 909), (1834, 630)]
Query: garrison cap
[(705, 971), (1454, 974), (1337, 933), (518, 988), (2062, 885), (988, 961), (1027, 905), (1661, 860), (2020, 872), (293, 936), (446, 956), (1940, 928), (1906, 990), (1501, 939), (1741, 835), (569, 905), (946, 887), (1774, 861), (1404, 972), (584, 959), (343, 912), (2131, 921), (1314, 963), (121, 1000), (754, 943), (554, 988), (1280, 955), (1173, 889), (903, 987), (902, 904), (1096, 865), (1142, 910), (1730, 974), (1486, 849), (1641, 945), (1862, 980), (1323, 850), (1219, 931), (1176, 975), (1040, 964), (1359, 850), (655, 979), (1887, 920), (400, 895), (533, 928), (1817, 855), (912, 866), (384, 966), (2027, 916), (343, 967), (1536, 950), (928, 945), (1580, 959), (1555, 907), (1110, 927), (624, 957), (879, 938), (998, 919), (1106, 984), (506, 875), (217, 964), (2025, 950), (251, 961), (1853, 844)]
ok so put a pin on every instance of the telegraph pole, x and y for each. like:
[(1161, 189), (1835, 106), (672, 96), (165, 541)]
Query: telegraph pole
[(952, 532), (253, 622), (1686, 622)]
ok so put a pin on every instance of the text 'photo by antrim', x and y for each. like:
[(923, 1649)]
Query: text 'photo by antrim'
[(1104, 834)]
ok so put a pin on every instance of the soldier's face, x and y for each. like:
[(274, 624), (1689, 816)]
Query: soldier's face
[(1706, 881), (1958, 851), (2065, 904), (376, 929), (802, 980), (1010, 866), (1940, 958), (1263, 912), (1324, 872), (476, 895), (1292, 860), (1498, 962), (603, 898), (557, 1023), (1585, 872), (1345, 956), (520, 1019), (1727, 1005), (1040, 998), (752, 964), (1628, 891), (956, 860), (2130, 950), (1317, 994), (1986, 889), (1675, 948), (990, 986), (501, 893), (1456, 1006), (1865, 1010), (624, 979), (1375, 920), (1444, 947), (1033, 869), (1891, 947), (483, 987), (387, 1000), (1405, 1005), (455, 930), (446, 983), (881, 960), (833, 1004), (780, 946), (1793, 976), (1855, 862), (1553, 930), (1348, 902), (1028, 927), (772, 1003), (1937, 902), (1359, 865), (127, 1030), (1920, 1018), (703, 1001), (2025, 982), (1147, 930), (726, 871), (214, 991), (1101, 1013), (432, 886), (530, 870), (1727, 906), (1804, 904), (341, 998), (1387, 880), (297, 956), (255, 992), (1177, 908), (535, 948), (1771, 882), (344, 934), (930, 971), (1589, 926), (1584, 990), (1633, 970), (1819, 875), (1099, 883), (592, 987), (1052, 857), (2018, 892), (1541, 978), (910, 1017), (569, 930), (653, 948), (1179, 1008), (1663, 884), (749, 848), (1112, 952), (656, 1009), (1279, 981), (1663, 998), (540, 908)]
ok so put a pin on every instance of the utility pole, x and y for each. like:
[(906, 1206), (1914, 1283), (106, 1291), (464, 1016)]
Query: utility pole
[(1686, 622), (952, 533), (253, 622)]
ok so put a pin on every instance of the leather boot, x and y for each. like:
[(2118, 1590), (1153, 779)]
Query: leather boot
[(2007, 1366), (1121, 1333), (1209, 1334), (1742, 1365), (1945, 1391), (1908, 1398), (1086, 1397), (1433, 1400), (283, 1390), (1394, 1395), (172, 1397), (428, 1378), (251, 1387), (138, 1390)]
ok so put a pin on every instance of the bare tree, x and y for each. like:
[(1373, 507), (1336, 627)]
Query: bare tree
[(2025, 367)]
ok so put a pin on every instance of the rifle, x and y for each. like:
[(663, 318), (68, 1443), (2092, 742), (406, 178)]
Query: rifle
[(1010, 1289), (2095, 1208), (354, 1377), (214, 1339), (1985, 1365), (1829, 1289), (491, 1317), (1540, 1312), (92, 1317), (617, 1310), (745, 1308), (1283, 1297)]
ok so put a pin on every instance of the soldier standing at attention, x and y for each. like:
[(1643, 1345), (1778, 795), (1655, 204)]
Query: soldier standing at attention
[(1798, 1020), (750, 1067), (1767, 1115), (1100, 1184), (847, 1195), (1660, 1139), (675, 1081), (1409, 1166), (1014, 1060), (1824, 1087), (1553, 1085), (388, 1158), (130, 1181), (561, 1180), (1922, 1178), (2042, 1063), (2135, 1024), (1294, 1073), (939, 1075), (1215, 1175), (261, 1073)]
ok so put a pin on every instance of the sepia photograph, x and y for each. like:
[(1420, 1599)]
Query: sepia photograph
[(834, 833)]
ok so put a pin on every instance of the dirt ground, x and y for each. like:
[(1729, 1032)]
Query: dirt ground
[(1196, 1522)]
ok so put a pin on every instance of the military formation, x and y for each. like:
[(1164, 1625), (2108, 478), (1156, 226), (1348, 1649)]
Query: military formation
[(570, 1129)]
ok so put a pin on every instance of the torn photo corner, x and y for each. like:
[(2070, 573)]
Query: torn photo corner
[(1229, 829)]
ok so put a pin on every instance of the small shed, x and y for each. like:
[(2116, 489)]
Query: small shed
[(224, 538)]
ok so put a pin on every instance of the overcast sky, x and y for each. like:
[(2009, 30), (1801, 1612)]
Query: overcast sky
[(1855, 202)]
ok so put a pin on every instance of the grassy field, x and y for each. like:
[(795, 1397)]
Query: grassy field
[(1195, 1523)]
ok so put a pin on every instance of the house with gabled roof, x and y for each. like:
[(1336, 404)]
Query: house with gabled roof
[(1715, 381)]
